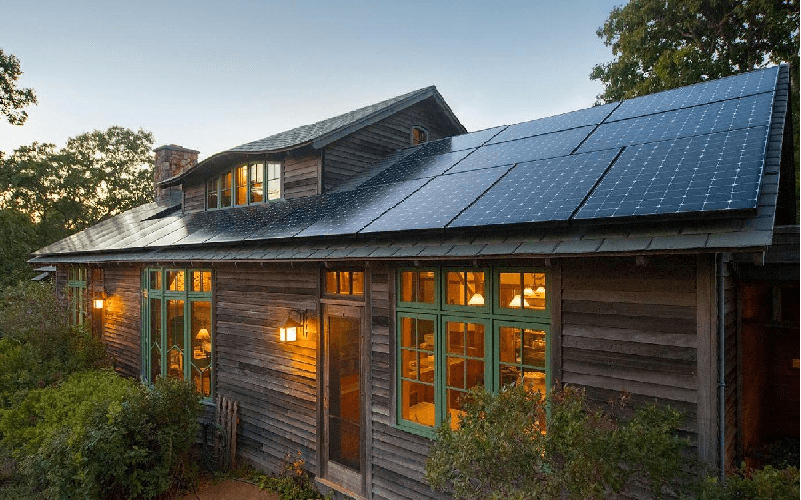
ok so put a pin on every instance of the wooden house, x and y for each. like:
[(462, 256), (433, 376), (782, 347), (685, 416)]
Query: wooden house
[(349, 280)]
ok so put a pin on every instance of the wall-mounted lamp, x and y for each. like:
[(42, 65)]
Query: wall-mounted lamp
[(291, 328), (99, 303)]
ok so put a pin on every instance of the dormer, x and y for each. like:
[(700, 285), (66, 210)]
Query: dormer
[(315, 158)]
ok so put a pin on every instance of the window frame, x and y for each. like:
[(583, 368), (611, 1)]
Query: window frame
[(421, 129), (491, 316), (262, 166), (343, 296), (189, 297), (77, 295)]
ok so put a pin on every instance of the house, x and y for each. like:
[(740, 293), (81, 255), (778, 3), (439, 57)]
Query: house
[(348, 280)]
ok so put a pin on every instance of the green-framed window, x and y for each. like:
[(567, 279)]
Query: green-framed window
[(245, 184), (344, 284), (78, 300), (456, 330), (177, 334)]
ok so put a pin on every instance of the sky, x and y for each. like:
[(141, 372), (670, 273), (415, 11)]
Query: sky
[(210, 75)]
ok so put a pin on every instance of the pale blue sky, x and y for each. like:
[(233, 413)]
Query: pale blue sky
[(210, 75)]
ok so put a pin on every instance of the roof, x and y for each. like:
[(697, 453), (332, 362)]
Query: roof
[(694, 169), (324, 132)]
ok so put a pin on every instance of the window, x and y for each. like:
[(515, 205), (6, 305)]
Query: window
[(244, 185), (177, 334), (76, 294), (344, 283), (419, 135), (456, 330)]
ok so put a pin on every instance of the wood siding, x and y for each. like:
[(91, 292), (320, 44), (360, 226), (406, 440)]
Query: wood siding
[(733, 409), (356, 153), (301, 175), (194, 198), (122, 318), (632, 328), (275, 383)]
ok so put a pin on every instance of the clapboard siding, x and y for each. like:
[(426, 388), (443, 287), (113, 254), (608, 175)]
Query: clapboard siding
[(632, 328), (301, 175), (121, 321), (194, 198), (355, 154), (398, 457), (731, 377), (274, 382)]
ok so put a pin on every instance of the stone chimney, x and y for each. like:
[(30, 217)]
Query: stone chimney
[(172, 161)]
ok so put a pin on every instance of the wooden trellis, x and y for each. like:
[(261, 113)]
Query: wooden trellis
[(227, 420)]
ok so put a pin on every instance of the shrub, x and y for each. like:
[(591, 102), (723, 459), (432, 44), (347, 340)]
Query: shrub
[(293, 482), (746, 484), (502, 449)]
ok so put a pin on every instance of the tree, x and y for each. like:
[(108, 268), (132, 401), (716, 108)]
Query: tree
[(664, 44), (55, 193), (13, 99)]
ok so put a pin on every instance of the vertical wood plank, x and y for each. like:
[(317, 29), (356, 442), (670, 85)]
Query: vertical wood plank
[(555, 293), (706, 321), (367, 383)]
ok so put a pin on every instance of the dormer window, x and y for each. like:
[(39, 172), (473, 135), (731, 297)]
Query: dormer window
[(419, 135), (244, 185)]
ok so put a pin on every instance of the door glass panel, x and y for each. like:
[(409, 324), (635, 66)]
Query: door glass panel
[(344, 414), (175, 339), (201, 346), (155, 339)]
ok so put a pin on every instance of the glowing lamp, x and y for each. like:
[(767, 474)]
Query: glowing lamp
[(98, 303), (518, 302), (289, 332), (205, 339), (476, 300)]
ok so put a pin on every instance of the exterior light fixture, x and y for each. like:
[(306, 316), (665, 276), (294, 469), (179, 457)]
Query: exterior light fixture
[(99, 303), (289, 331)]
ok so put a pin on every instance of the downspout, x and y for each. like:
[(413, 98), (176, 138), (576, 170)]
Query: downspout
[(721, 333)]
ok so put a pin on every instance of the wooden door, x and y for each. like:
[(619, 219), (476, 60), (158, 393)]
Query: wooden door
[(343, 395)]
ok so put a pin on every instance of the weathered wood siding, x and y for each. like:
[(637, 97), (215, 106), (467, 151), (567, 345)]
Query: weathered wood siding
[(354, 154), (732, 405), (194, 198), (301, 175), (632, 328), (122, 317), (275, 383), (398, 457)]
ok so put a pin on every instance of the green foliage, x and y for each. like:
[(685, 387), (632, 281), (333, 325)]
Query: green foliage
[(293, 482), (19, 240), (502, 451), (101, 436), (745, 484), (661, 45), (37, 347), (12, 98)]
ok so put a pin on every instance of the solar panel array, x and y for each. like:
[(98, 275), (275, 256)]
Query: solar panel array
[(694, 149)]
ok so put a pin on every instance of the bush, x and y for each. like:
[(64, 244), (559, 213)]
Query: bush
[(501, 448), (100, 436), (293, 483), (746, 484)]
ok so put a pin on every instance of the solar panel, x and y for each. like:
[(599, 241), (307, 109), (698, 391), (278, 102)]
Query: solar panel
[(347, 212), (538, 191), (702, 93), (696, 174), (458, 142), (719, 116), (438, 202), (414, 167), (574, 119), (521, 150)]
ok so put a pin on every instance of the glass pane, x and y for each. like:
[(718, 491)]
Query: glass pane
[(509, 287), (225, 190), (155, 339), (175, 339), (534, 348), (344, 283), (273, 171), (241, 179), (455, 372), (455, 408), (425, 291), (257, 183), (200, 331), (534, 381), (331, 283), (455, 290), (475, 289), (425, 334), (510, 374), (409, 364), (455, 337), (509, 344), (155, 280), (426, 362), (175, 281), (212, 196), (408, 332), (407, 286), (534, 290), (273, 189), (417, 403), (344, 420), (475, 373), (358, 283), (475, 340), (205, 281)]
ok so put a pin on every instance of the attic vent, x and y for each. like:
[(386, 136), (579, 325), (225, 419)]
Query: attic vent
[(419, 135)]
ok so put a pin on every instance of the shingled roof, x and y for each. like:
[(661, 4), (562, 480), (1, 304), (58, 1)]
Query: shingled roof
[(688, 170)]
